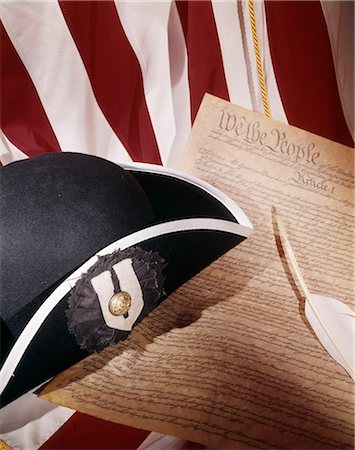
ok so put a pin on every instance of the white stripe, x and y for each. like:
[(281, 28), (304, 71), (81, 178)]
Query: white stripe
[(179, 85), (42, 40), (8, 151), (52, 301), (28, 422), (243, 11), (158, 441), (152, 49), (232, 49), (339, 17)]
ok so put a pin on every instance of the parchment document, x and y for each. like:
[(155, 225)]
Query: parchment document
[(229, 360)]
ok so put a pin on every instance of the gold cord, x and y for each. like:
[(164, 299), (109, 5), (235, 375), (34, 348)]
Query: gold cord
[(4, 446), (258, 59)]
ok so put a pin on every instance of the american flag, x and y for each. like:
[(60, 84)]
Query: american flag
[(124, 80)]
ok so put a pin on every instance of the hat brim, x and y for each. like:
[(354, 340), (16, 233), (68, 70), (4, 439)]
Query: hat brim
[(195, 224)]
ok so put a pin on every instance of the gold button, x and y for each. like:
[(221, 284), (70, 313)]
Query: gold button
[(120, 303)]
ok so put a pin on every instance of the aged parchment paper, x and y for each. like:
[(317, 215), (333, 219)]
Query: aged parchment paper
[(229, 359)]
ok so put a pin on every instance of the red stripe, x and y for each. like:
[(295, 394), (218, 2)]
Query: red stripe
[(114, 73), (205, 64), (23, 119), (86, 432), (303, 64)]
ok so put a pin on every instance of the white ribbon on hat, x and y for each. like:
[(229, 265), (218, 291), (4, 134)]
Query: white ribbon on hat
[(129, 282)]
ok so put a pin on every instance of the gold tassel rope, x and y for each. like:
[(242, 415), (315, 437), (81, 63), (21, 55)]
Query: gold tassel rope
[(259, 65), (4, 446)]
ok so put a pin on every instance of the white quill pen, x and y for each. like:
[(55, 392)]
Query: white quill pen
[(332, 321)]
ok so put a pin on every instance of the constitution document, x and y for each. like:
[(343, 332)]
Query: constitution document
[(230, 360)]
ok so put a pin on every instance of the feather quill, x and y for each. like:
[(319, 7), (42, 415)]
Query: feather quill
[(332, 320)]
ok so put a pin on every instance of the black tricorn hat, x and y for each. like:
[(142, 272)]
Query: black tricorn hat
[(89, 248)]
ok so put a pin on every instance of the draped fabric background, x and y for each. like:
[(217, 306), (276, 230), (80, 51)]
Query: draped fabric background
[(124, 79)]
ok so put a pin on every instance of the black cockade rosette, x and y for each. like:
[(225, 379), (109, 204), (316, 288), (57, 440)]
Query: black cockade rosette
[(84, 315)]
